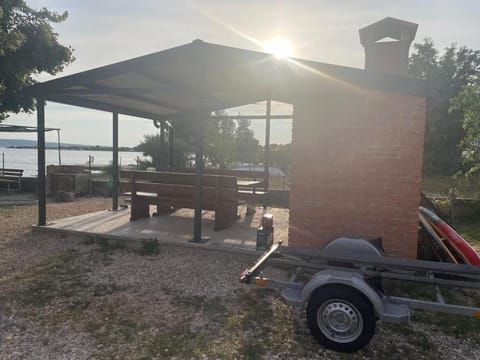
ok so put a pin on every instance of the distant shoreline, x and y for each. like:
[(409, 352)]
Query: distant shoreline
[(76, 148)]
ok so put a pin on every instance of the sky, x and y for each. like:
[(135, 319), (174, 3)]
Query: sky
[(104, 32)]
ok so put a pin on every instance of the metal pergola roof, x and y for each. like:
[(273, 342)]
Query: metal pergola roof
[(191, 81), (176, 81)]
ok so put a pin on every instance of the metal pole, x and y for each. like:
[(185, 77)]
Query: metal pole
[(267, 151), (3, 162), (163, 164), (90, 160), (171, 148), (197, 227), (42, 183), (58, 139), (199, 118), (115, 163)]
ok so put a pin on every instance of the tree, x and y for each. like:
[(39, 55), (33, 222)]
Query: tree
[(220, 146), (246, 144), (468, 103), (157, 150), (150, 146), (447, 74), (226, 141), (28, 47), (230, 141), (280, 156)]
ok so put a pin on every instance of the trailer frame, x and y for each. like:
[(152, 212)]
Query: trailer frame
[(361, 272)]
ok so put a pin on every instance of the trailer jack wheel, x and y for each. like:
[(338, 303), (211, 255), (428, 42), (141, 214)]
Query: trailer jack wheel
[(341, 318)]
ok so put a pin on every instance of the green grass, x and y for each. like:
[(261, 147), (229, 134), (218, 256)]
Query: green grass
[(58, 276), (440, 185), (470, 232)]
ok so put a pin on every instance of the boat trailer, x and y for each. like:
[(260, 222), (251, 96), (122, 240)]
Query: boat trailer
[(343, 293)]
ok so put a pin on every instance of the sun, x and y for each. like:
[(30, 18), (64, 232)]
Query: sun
[(280, 48)]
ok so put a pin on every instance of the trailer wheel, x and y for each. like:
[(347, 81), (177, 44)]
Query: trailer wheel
[(341, 318)]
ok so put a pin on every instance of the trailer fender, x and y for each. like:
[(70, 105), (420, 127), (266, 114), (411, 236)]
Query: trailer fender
[(351, 279)]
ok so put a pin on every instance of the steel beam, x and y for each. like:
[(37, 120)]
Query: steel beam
[(197, 226), (171, 147), (42, 183), (133, 94), (90, 104), (115, 163), (268, 116)]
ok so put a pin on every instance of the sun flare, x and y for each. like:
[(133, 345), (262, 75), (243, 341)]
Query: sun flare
[(280, 48)]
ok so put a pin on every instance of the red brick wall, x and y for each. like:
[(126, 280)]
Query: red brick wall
[(357, 169)]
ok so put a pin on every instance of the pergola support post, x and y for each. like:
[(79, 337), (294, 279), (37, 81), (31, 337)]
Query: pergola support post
[(42, 183), (197, 226), (115, 163), (59, 148), (267, 152), (171, 147)]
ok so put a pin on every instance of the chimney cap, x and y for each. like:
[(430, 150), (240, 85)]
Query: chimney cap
[(397, 29)]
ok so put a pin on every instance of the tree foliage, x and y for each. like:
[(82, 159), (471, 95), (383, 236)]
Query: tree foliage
[(28, 46), (448, 73), (245, 142), (280, 156), (226, 142), (468, 103), (220, 148)]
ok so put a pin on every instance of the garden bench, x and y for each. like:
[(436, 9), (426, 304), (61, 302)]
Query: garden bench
[(171, 191), (11, 176)]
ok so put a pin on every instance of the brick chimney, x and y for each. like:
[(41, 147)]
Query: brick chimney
[(388, 56)]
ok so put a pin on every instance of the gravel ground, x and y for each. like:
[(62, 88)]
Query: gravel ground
[(61, 299)]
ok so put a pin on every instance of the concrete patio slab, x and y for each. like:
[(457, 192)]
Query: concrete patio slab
[(171, 229)]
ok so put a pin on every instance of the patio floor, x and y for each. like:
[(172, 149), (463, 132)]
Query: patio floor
[(172, 229)]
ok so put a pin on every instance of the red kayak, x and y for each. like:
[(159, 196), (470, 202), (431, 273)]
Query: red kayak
[(467, 251)]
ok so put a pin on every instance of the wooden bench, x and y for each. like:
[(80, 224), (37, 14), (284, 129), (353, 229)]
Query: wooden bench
[(172, 191), (250, 184), (11, 176)]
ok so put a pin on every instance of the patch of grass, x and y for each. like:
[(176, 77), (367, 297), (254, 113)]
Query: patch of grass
[(6, 212), (408, 289), (150, 247), (178, 341), (183, 339), (212, 309), (419, 340), (107, 245), (112, 327), (398, 342), (252, 350), (58, 276), (470, 231), (455, 325)]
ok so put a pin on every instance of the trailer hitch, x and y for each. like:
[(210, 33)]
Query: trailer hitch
[(246, 276)]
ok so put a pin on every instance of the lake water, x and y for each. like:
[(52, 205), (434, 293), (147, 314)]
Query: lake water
[(26, 159)]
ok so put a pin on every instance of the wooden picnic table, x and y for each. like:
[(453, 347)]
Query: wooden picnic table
[(247, 192)]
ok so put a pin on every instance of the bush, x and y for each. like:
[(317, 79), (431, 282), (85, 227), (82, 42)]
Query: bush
[(150, 247)]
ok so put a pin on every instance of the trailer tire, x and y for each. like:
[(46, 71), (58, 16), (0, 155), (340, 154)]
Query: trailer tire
[(341, 318)]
